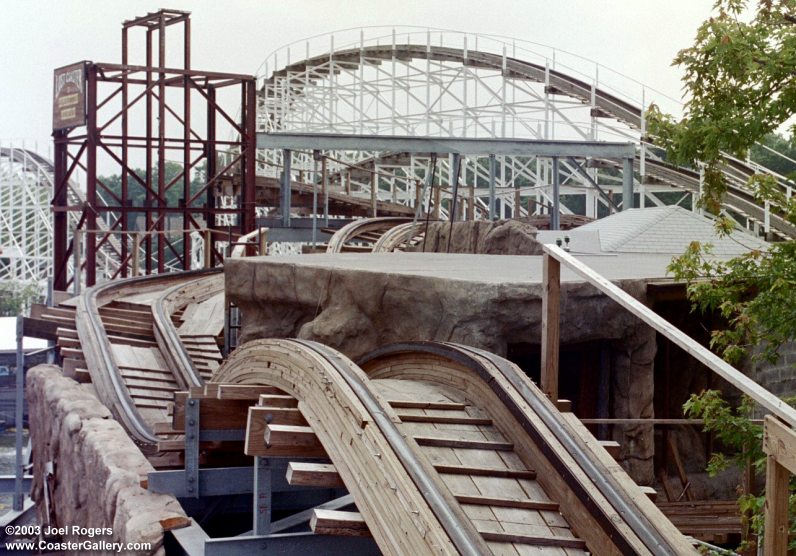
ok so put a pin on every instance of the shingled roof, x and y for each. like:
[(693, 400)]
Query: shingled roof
[(666, 230)]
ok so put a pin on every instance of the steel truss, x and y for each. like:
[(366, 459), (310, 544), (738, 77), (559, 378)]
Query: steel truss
[(423, 82), (144, 116)]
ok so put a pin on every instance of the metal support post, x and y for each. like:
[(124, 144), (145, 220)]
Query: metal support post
[(627, 183), (455, 171), (76, 253), (262, 496), (192, 447), (316, 155), (92, 140), (227, 330), (492, 180), (374, 194), (325, 181), (18, 414), (432, 166), (208, 248), (286, 193), (455, 167), (136, 253), (555, 215)]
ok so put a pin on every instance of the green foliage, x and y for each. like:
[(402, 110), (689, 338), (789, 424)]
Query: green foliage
[(733, 427), (779, 164), (738, 79), (742, 440), (739, 85), (136, 192), (17, 297), (755, 293)]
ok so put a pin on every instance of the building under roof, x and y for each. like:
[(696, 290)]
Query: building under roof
[(658, 230)]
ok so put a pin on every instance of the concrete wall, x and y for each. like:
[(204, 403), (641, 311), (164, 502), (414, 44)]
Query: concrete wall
[(98, 468), (779, 377)]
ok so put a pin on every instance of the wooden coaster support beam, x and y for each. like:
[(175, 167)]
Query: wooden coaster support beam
[(779, 444), (551, 314)]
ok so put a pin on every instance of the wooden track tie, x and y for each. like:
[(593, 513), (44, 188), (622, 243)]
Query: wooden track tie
[(461, 443), (485, 471), (403, 404), (508, 503), (444, 419), (534, 541)]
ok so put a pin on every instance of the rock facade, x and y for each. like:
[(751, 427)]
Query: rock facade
[(501, 237), (358, 311), (98, 468)]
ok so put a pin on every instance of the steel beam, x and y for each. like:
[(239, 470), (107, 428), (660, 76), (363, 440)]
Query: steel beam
[(219, 481), (60, 219), (262, 491), (91, 179), (288, 544), (286, 191), (464, 146), (627, 183), (189, 541), (8, 484), (192, 427), (18, 414), (555, 214), (492, 179)]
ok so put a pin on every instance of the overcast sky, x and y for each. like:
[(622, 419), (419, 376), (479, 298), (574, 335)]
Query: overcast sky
[(636, 37)]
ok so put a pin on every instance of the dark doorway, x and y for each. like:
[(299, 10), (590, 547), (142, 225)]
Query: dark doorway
[(584, 375)]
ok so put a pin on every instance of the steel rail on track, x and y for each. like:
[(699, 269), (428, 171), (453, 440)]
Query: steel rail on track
[(109, 374), (605, 483)]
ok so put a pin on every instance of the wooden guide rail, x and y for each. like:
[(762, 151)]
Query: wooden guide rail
[(779, 436)]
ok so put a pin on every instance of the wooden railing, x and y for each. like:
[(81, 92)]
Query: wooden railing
[(779, 437)]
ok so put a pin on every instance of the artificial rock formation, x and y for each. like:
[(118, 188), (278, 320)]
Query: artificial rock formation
[(501, 237), (357, 311), (98, 468)]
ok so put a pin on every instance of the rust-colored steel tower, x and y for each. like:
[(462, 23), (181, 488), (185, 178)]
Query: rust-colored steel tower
[(144, 121)]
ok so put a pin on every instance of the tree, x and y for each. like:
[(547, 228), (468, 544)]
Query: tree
[(136, 192), (782, 165), (17, 297), (742, 441), (740, 88)]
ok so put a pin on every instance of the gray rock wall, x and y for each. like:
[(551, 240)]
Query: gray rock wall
[(358, 311), (98, 468), (501, 237)]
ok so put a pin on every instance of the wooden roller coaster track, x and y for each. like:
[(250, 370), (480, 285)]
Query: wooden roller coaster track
[(449, 449)]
